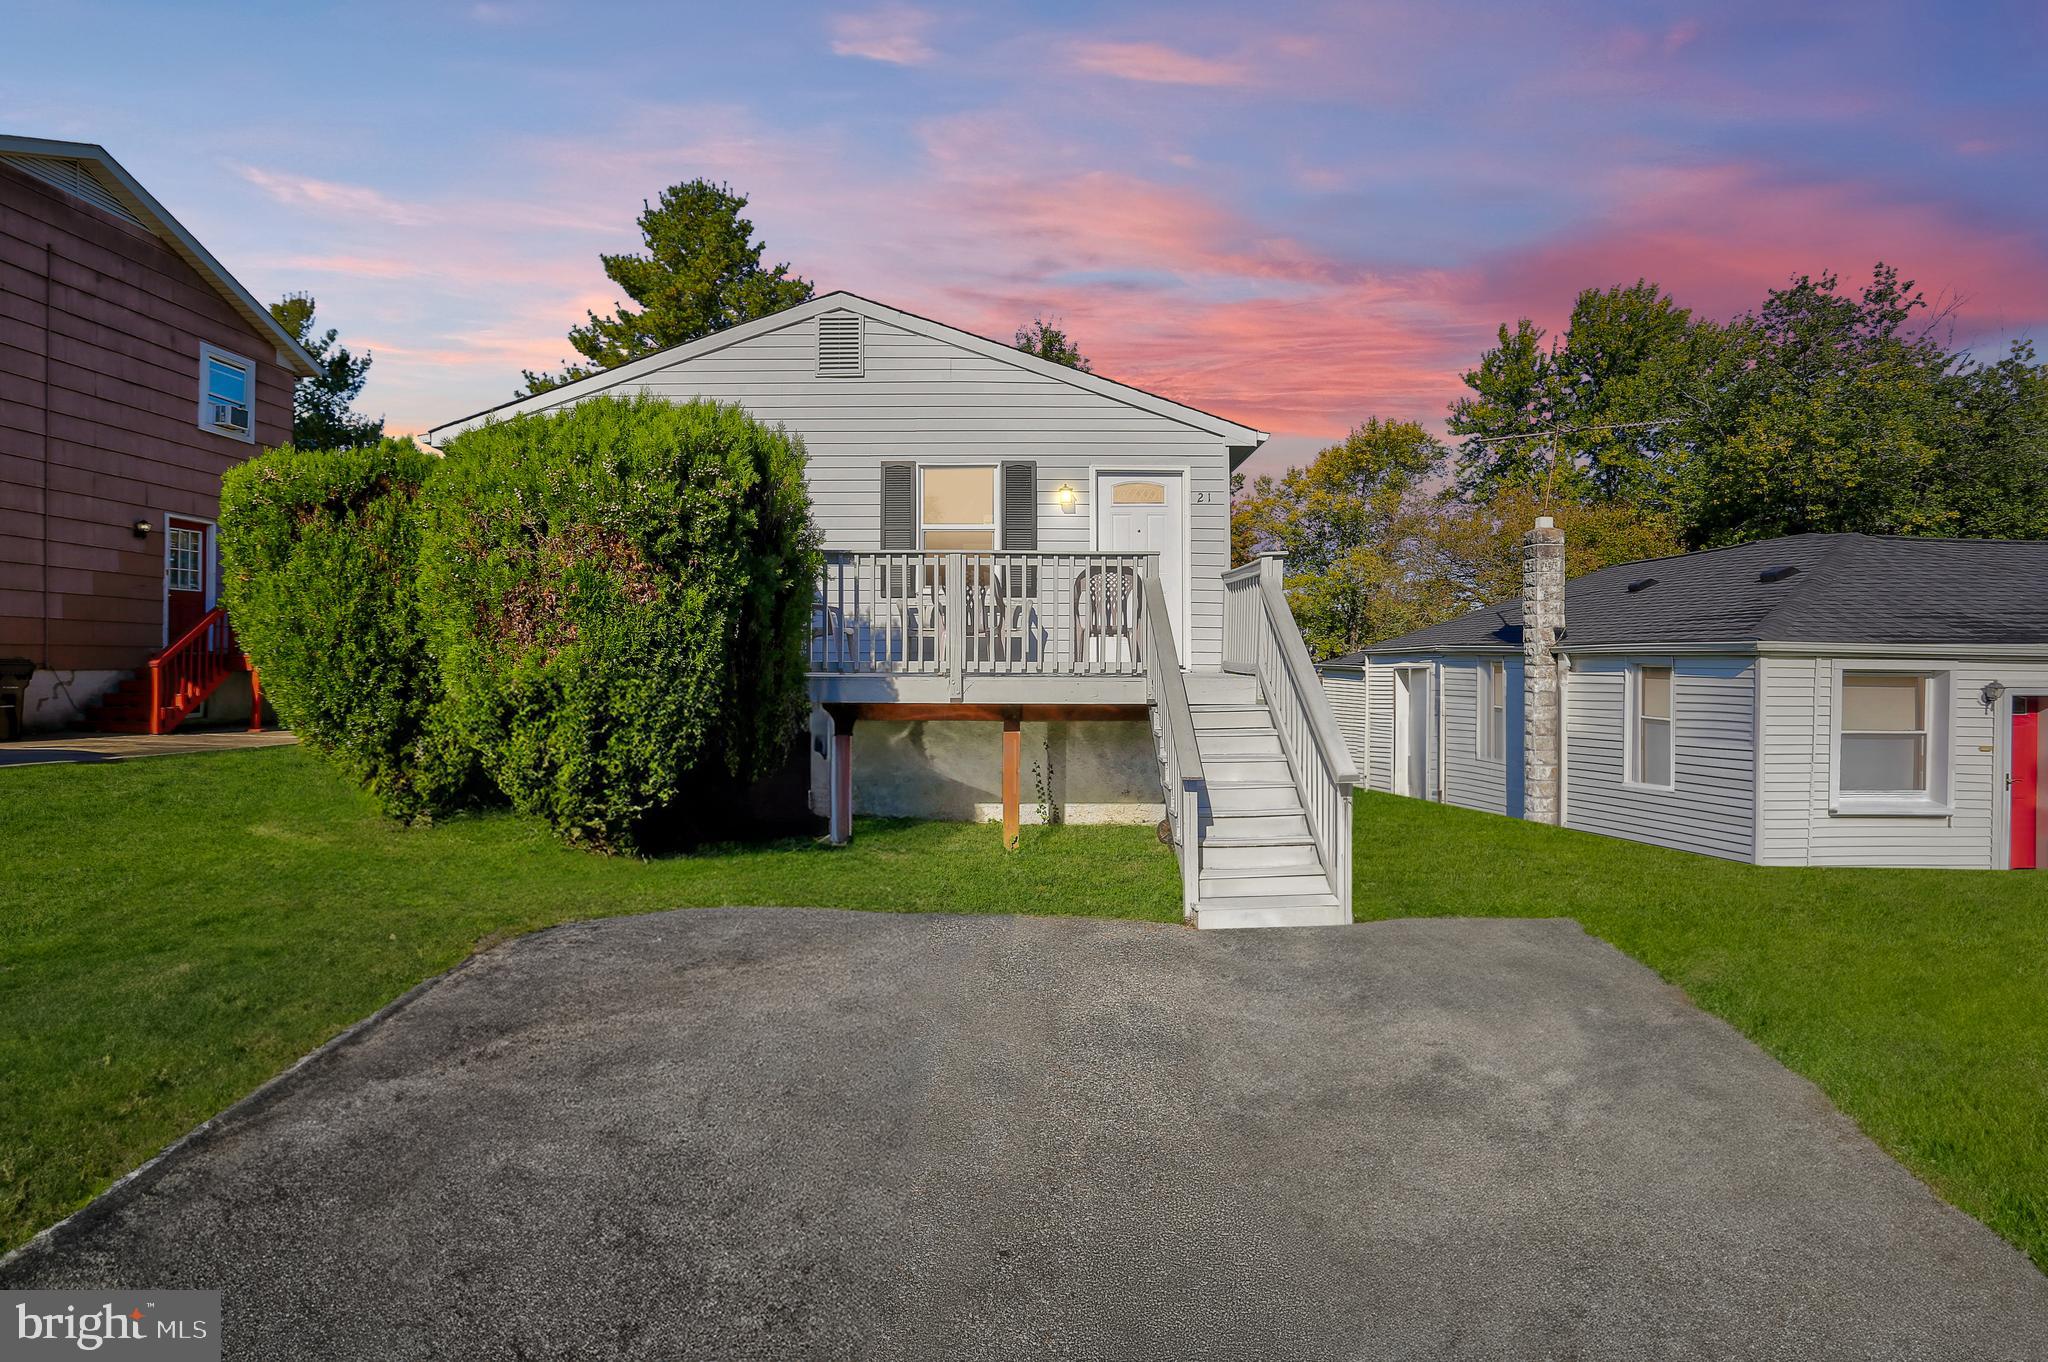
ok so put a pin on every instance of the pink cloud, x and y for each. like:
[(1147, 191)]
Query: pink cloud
[(893, 34), (1716, 237), (1155, 63), (329, 196)]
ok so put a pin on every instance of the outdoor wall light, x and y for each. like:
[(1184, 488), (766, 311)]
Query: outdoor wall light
[(141, 529), (1993, 692), (1064, 495)]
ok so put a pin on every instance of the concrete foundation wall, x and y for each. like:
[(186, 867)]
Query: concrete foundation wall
[(1095, 772), (56, 698)]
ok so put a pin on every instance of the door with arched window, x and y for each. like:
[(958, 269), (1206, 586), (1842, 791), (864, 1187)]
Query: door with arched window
[(1145, 512)]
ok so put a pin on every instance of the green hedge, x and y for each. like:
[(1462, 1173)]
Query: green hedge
[(319, 552), (617, 598)]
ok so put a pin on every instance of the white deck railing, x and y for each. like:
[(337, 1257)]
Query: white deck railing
[(980, 613), (1260, 637), (1180, 757)]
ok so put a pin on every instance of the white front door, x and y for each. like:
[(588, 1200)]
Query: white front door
[(1145, 513), (1411, 732)]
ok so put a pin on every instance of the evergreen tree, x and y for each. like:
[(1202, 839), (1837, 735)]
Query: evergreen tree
[(322, 417), (701, 273)]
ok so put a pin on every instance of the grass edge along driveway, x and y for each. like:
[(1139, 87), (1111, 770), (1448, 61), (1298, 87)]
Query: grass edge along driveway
[(187, 927), (1913, 998)]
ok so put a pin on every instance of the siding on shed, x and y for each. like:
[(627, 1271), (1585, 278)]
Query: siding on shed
[(1380, 705), (1711, 807), (928, 401), (1379, 681), (1799, 827), (1349, 701), (1471, 780), (100, 328)]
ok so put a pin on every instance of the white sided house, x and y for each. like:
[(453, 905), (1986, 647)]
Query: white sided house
[(1027, 607), (1822, 699)]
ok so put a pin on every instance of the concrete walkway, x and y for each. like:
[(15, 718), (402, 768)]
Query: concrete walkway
[(786, 1133), (78, 747)]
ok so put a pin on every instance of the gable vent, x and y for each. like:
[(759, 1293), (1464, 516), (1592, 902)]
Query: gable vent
[(73, 178), (841, 352), (1777, 574)]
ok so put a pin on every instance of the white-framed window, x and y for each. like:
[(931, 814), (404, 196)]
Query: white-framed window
[(1493, 711), (1650, 726), (957, 506), (227, 394), (184, 559), (1891, 741)]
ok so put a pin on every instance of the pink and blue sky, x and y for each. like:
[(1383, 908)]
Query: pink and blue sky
[(1293, 214)]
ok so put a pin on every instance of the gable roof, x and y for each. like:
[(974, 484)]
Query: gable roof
[(1846, 588), (86, 171), (1240, 437)]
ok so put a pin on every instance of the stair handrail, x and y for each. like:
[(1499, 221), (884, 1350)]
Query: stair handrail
[(1185, 779), (184, 641), (186, 656), (1260, 637)]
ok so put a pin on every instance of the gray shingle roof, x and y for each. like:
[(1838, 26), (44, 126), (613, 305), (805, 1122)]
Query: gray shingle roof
[(1848, 588)]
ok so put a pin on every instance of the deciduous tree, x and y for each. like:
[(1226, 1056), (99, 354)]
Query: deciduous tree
[(1047, 340)]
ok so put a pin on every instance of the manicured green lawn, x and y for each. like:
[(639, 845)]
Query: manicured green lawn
[(180, 929), (177, 930), (1916, 999)]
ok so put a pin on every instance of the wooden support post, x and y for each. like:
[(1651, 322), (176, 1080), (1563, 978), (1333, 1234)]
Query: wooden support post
[(840, 827), (156, 697), (255, 699), (1013, 776)]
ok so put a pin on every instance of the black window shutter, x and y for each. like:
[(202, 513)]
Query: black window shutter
[(1020, 506), (899, 506)]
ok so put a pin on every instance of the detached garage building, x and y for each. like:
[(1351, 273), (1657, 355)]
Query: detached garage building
[(1827, 699)]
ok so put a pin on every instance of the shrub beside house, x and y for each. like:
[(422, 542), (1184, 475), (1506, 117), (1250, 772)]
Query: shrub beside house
[(593, 615)]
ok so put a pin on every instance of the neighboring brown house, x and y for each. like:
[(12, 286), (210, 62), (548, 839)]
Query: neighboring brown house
[(134, 371)]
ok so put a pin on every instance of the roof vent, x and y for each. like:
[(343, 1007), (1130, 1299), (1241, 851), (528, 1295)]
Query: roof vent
[(1641, 584), (73, 177), (840, 351), (1778, 573)]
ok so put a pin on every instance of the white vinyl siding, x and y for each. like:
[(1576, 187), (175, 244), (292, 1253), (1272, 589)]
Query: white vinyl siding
[(1347, 692), (1800, 823), (1472, 778), (1456, 767), (1379, 748), (925, 401), (1711, 807)]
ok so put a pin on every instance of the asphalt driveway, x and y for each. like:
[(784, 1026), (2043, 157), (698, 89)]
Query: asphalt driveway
[(769, 1133)]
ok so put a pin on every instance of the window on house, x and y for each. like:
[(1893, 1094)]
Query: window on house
[(1493, 711), (227, 394), (185, 565), (1650, 754), (1885, 735), (957, 508)]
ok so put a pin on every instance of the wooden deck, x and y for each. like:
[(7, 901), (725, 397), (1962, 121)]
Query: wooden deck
[(980, 628)]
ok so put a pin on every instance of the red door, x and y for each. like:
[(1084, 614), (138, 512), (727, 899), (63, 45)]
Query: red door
[(2026, 783), (188, 552)]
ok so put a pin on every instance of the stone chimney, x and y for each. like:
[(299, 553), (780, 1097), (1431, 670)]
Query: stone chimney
[(1542, 712)]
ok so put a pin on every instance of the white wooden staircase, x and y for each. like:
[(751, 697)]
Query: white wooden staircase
[(1259, 864), (1256, 775)]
